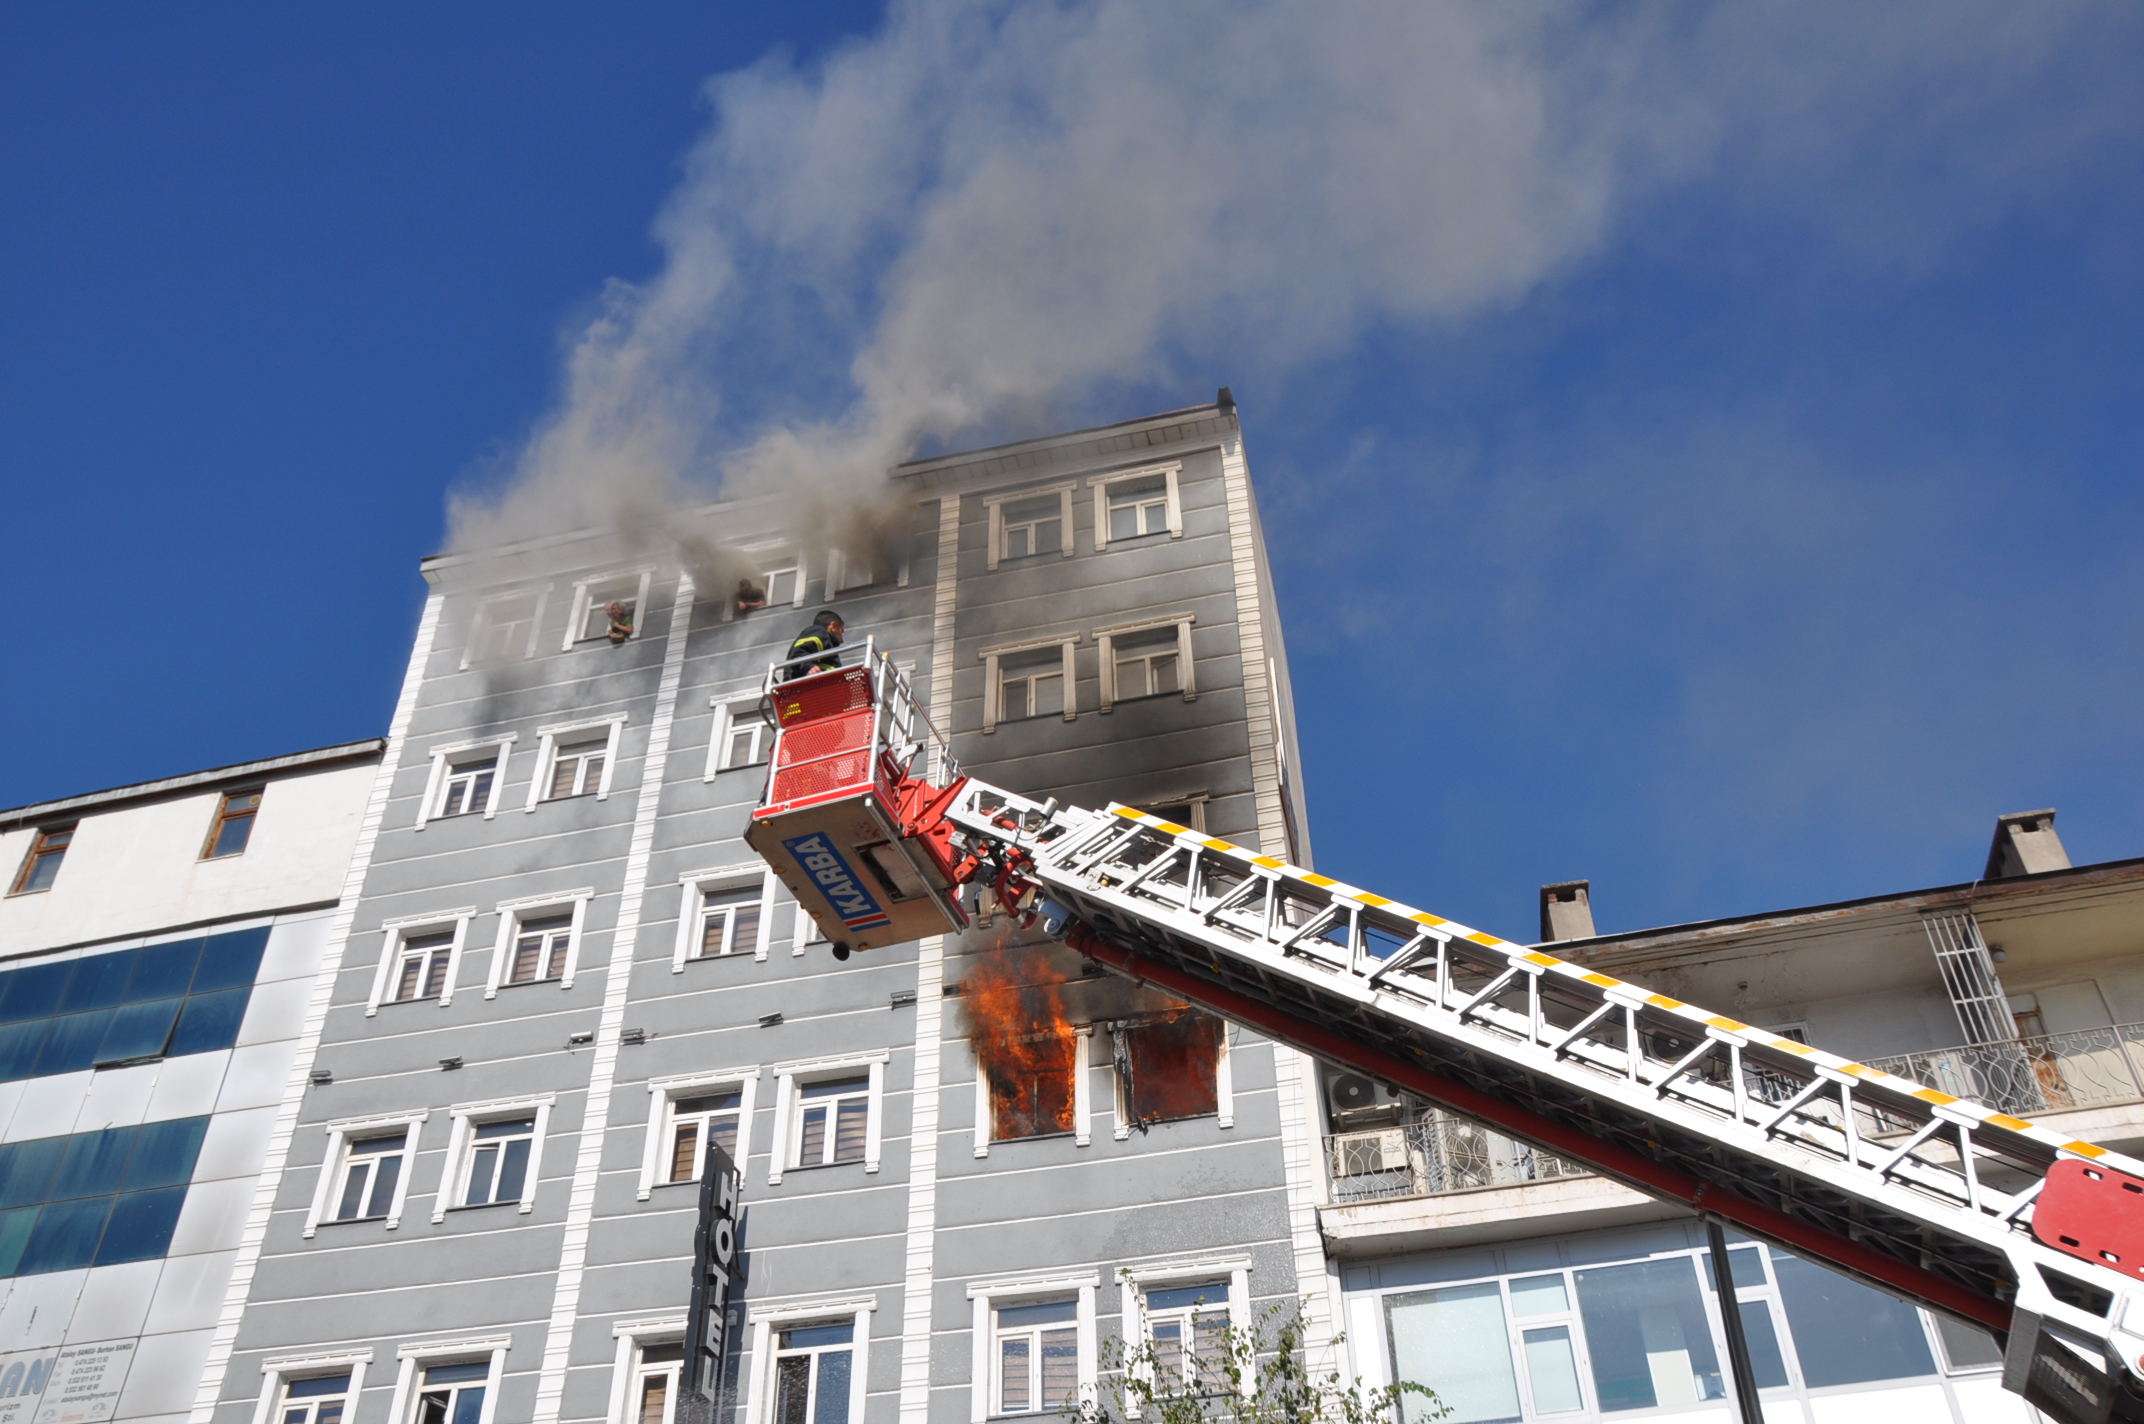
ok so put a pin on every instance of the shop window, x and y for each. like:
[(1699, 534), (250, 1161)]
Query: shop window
[(812, 1371), (1453, 1339), (1844, 1332), (42, 865), (371, 1170), (1035, 1357), (1648, 1336), (322, 1399), (233, 826), (1753, 1298)]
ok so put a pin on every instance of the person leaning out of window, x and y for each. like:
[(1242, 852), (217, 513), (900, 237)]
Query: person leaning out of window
[(621, 623)]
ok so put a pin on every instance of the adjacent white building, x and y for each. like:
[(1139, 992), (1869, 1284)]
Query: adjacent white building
[(160, 948)]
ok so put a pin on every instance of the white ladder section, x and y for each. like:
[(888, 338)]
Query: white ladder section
[(1915, 1192)]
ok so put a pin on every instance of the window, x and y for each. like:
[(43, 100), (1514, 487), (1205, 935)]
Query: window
[(233, 826), (468, 787), (695, 1122), (1191, 814), (499, 1161), (126, 1006), (453, 1394), (540, 947), (656, 1373), (687, 1113), (724, 912), (1033, 687), (1149, 658), (1029, 523), (495, 1150), (42, 865), (1454, 1340), (826, 1111), (1033, 1345), (94, 1198), (1035, 1368), (1133, 504), (319, 1400), (741, 736), (1188, 1326), (577, 768), (592, 599), (812, 1373), (1146, 665), (846, 571), (372, 1169), (1168, 1068), (1033, 526), (421, 967), (575, 759), (831, 1118), (504, 627)]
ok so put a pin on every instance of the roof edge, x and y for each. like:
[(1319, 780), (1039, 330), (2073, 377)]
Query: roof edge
[(370, 747)]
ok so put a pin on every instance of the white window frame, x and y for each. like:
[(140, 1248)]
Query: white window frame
[(547, 742), (514, 913), (698, 884), (1186, 674), (837, 575), (461, 1148), (582, 596), (397, 932), (987, 1296), (663, 1097), (994, 510), (1135, 1281), (781, 556), (341, 1133), (280, 1370), (765, 1320), (726, 718), (1168, 470), (1082, 1097), (433, 806), (789, 1081), (805, 932), (993, 692), (633, 1336), (1224, 1086), (480, 624), (413, 1359)]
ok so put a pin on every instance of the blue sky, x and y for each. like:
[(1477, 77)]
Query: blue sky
[(1698, 447)]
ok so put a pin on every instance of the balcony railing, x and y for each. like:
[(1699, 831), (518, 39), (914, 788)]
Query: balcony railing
[(1428, 1158), (2095, 1067)]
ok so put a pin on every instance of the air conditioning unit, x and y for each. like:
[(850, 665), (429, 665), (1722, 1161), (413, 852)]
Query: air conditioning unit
[(1358, 1154), (1358, 1102)]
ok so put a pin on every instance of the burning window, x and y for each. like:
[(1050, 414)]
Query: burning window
[(1025, 1047), (1167, 1068)]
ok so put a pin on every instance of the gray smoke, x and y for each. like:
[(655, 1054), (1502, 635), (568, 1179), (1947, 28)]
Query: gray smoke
[(992, 214)]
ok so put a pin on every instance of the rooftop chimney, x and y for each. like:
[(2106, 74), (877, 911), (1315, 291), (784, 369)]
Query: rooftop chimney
[(1226, 400), (1567, 911), (2025, 844)]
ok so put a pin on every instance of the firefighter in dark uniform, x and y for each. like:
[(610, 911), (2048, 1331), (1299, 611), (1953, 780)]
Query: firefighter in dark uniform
[(823, 636)]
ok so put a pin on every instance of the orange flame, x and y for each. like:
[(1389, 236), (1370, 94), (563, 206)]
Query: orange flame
[(1023, 1042), (1173, 1061)]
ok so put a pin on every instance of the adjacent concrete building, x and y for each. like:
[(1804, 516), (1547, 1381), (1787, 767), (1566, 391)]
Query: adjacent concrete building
[(159, 944), (967, 1165)]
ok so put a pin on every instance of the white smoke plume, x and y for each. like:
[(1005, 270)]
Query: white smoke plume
[(989, 214)]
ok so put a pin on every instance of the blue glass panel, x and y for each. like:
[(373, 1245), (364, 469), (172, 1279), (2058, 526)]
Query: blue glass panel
[(141, 1226), (95, 1163), (165, 970), (14, 1235), (164, 1153), (229, 960), (210, 1021), (35, 992), (99, 981), (469, 1406), (457, 1374), (19, 1043), (66, 1236), (320, 1384), (138, 1031), (26, 1171), (72, 1044)]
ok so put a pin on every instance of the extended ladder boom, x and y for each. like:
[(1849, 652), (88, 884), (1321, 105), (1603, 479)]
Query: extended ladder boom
[(1948, 1203)]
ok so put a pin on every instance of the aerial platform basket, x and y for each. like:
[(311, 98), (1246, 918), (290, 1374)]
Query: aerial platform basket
[(855, 781)]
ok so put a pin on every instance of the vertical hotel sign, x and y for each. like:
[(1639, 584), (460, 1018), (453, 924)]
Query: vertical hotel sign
[(714, 1266)]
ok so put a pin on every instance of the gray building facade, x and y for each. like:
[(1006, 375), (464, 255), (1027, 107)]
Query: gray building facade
[(967, 1165)]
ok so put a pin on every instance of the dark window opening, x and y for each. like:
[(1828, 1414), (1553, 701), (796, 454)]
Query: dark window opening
[(42, 865), (1169, 1067)]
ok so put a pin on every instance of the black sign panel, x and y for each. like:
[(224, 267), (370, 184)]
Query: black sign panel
[(714, 1265)]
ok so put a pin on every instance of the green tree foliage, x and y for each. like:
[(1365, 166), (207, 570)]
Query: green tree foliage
[(1249, 1376)]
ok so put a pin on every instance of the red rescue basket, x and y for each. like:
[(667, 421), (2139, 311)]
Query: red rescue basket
[(849, 818)]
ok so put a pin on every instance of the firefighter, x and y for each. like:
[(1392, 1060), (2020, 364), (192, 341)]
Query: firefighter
[(823, 636)]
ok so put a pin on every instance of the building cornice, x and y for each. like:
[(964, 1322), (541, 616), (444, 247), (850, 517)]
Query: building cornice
[(345, 753)]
